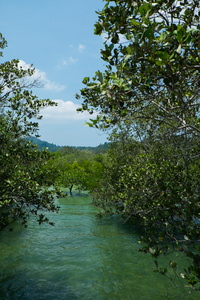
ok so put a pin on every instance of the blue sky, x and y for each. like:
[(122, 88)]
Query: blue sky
[(57, 37)]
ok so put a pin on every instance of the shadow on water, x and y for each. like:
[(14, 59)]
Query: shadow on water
[(81, 257), (23, 286), (27, 270)]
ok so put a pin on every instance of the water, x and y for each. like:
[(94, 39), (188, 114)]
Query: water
[(81, 257)]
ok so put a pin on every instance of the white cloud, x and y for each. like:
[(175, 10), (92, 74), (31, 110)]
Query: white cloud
[(41, 78), (66, 110), (72, 60), (81, 48), (67, 62)]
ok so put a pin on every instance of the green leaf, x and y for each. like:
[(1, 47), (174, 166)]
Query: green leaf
[(115, 39), (173, 264), (178, 50), (86, 80), (100, 76), (163, 36), (160, 62), (134, 22), (143, 9), (88, 124)]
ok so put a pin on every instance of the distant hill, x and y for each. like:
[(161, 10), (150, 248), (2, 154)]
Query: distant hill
[(42, 144), (53, 148)]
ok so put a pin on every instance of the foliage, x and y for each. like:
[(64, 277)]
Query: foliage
[(154, 74), (73, 174), (102, 148), (73, 167), (24, 189), (149, 95), (42, 145), (146, 182)]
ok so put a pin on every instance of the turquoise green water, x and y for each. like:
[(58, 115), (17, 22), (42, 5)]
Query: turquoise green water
[(81, 257)]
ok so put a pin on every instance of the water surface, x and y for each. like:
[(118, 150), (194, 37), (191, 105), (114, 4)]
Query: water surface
[(81, 257)]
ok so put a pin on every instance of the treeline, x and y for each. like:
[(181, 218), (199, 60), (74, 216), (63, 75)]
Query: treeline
[(74, 167), (71, 167), (102, 148)]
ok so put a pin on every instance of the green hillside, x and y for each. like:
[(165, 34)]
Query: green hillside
[(43, 144), (53, 148)]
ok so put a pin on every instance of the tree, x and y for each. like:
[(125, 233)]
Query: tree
[(24, 189), (73, 174), (154, 74), (150, 90), (72, 167), (146, 183)]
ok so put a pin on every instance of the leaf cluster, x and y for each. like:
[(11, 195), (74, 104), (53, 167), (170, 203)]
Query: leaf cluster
[(156, 66), (24, 187)]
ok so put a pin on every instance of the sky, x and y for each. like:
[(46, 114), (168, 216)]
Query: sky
[(57, 37)]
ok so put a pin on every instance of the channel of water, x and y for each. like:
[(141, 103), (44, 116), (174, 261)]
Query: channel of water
[(81, 257)]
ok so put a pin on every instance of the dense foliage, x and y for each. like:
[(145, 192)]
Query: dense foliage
[(149, 95), (72, 167), (24, 188)]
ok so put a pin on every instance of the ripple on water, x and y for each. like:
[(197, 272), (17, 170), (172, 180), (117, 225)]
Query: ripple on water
[(81, 257)]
